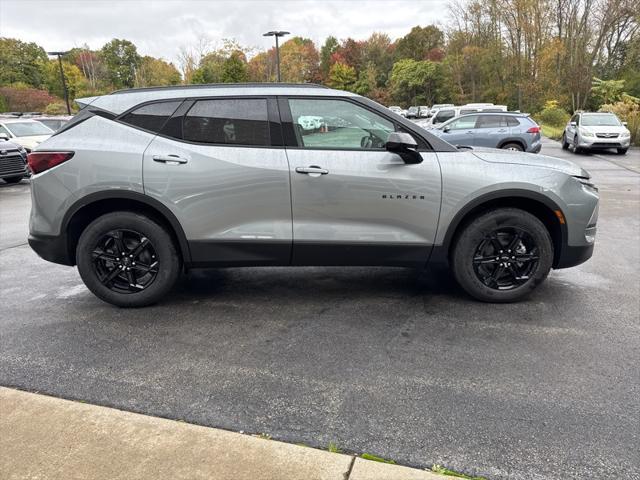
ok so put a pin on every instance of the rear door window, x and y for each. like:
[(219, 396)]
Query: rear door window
[(233, 121), (464, 123), (444, 115), (151, 117)]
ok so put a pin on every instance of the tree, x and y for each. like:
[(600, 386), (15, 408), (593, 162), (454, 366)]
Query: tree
[(23, 98), (156, 72), (91, 65), (416, 82), (419, 42), (234, 69), (73, 77), (122, 60), (328, 49), (299, 61), (22, 62), (607, 91), (342, 76)]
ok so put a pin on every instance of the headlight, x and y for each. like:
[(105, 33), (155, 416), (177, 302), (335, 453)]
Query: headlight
[(626, 134), (584, 133)]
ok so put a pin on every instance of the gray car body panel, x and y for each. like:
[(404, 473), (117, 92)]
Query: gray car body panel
[(230, 200)]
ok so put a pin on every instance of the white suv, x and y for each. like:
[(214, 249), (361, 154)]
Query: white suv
[(596, 131)]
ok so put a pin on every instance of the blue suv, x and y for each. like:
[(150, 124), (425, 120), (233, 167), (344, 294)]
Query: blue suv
[(509, 131)]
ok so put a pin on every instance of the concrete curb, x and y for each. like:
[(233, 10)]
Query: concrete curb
[(46, 437)]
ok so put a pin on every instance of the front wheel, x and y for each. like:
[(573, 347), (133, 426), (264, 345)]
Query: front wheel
[(502, 255), (127, 259), (565, 144)]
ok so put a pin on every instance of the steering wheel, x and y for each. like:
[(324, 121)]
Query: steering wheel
[(367, 141)]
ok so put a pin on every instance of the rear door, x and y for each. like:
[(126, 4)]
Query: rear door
[(354, 202), (491, 130), (220, 167)]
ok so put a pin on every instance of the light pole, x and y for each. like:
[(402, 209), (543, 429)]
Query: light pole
[(64, 82), (276, 34)]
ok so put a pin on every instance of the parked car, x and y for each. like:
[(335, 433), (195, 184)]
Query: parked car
[(438, 106), (231, 180), (54, 123), (13, 162), (444, 114), (596, 131), (424, 111), (26, 132), (398, 110), (509, 131)]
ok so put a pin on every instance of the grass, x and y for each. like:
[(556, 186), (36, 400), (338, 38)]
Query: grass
[(452, 473), (368, 456), (333, 448), (555, 133)]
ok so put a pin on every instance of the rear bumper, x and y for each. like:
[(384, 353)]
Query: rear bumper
[(51, 248), (572, 256)]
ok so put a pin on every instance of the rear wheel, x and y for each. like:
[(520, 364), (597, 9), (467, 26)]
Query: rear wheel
[(13, 179), (622, 151), (513, 146), (127, 259), (502, 255), (565, 144)]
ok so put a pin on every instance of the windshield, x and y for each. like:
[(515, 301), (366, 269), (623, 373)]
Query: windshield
[(604, 120), (26, 129)]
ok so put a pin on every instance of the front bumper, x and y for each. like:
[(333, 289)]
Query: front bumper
[(595, 143), (52, 248), (572, 256)]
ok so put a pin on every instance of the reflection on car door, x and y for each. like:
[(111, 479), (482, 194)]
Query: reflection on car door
[(460, 131), (214, 167), (490, 130), (353, 201)]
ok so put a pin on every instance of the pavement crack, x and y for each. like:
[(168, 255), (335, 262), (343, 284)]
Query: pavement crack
[(14, 246), (347, 474)]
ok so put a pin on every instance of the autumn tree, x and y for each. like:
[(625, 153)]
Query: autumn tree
[(156, 72), (342, 76), (22, 62), (122, 60)]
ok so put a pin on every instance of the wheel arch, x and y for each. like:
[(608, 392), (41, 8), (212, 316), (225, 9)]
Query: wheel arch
[(513, 140), (537, 204), (88, 208)]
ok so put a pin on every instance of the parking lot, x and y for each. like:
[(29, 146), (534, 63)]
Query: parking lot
[(379, 360)]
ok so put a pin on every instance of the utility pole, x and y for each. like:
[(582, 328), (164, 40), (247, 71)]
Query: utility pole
[(276, 34), (64, 82)]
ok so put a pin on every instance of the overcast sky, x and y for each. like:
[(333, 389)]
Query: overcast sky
[(160, 27)]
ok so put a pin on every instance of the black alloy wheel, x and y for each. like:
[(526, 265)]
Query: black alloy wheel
[(125, 261)]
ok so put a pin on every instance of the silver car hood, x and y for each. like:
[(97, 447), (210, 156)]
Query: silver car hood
[(495, 155)]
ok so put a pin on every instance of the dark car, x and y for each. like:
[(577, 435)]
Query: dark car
[(13, 162)]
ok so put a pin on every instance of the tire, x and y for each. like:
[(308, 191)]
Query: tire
[(512, 146), (622, 151), (13, 179), (565, 144), (473, 258), (576, 148), (155, 265)]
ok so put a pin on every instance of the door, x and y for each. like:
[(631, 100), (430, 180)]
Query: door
[(460, 131), (215, 168), (491, 130), (572, 128), (353, 202)]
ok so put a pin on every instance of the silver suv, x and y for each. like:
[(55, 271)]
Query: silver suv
[(146, 183), (596, 131)]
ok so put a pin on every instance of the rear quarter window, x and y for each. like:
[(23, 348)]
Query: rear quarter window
[(151, 117)]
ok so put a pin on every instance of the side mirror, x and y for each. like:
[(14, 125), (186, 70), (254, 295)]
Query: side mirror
[(624, 124), (404, 145), (573, 124), (446, 129), (4, 136)]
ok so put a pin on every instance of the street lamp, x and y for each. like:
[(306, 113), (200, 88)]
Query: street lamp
[(64, 83), (276, 34)]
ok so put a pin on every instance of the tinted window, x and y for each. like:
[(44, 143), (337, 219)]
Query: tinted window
[(151, 117), (513, 122), (327, 123), (444, 115), (228, 121)]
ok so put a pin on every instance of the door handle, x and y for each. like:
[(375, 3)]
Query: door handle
[(313, 169), (171, 159), (469, 132)]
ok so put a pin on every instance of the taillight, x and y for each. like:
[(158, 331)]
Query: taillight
[(41, 161), (535, 129)]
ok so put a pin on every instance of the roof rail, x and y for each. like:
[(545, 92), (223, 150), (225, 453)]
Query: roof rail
[(217, 85)]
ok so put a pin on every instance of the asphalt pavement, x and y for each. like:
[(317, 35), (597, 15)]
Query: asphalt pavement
[(378, 360)]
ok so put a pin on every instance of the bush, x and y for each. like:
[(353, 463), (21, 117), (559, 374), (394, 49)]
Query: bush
[(553, 115), (56, 109), (627, 110), (25, 99)]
